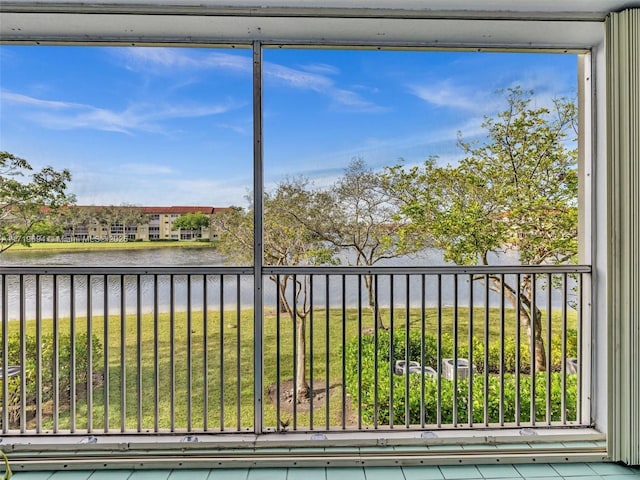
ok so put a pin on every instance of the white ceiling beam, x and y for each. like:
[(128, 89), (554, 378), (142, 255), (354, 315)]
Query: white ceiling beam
[(391, 32)]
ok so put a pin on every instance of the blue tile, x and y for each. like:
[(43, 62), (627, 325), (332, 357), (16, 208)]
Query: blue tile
[(382, 473), (190, 474), (542, 470), (498, 471), (626, 476), (345, 473), (573, 469), (267, 474), (460, 471), (111, 475), (587, 477), (150, 475), (610, 469), (229, 474), (72, 475), (31, 475), (422, 473), (306, 474)]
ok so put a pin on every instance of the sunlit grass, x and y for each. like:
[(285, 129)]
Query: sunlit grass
[(166, 388)]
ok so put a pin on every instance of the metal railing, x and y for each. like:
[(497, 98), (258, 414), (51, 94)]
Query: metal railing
[(171, 350)]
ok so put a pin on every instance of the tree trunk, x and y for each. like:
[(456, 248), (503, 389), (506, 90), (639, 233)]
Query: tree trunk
[(527, 322), (368, 282), (302, 387), (530, 320), (299, 325), (282, 292)]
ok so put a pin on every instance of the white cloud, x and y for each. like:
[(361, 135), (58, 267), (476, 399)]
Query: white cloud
[(415, 148), (106, 187), (171, 58), (320, 84), (235, 128), (463, 97), (321, 68), (314, 77), (297, 78), (146, 169), (138, 117), (544, 80), (19, 99), (354, 101)]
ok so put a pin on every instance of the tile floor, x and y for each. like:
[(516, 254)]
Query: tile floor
[(565, 471)]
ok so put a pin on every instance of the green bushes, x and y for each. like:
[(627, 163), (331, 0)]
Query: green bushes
[(431, 350), (427, 411), (47, 371)]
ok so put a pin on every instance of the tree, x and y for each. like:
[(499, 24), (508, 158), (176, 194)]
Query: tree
[(358, 216), (192, 221), (116, 219), (45, 229), (28, 197), (72, 220), (109, 220), (131, 217), (518, 189), (286, 242)]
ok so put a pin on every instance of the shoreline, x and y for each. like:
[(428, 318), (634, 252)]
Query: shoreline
[(100, 246)]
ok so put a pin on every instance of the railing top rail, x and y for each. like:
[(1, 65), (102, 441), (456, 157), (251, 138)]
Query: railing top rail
[(120, 270), (296, 270), (429, 270)]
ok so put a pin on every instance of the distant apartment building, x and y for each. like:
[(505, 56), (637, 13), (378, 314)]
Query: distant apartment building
[(133, 223), (161, 219)]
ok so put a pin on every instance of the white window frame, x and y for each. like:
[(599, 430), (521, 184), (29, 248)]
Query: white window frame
[(162, 23)]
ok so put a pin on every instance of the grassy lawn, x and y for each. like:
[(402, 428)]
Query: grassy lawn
[(97, 246), (228, 392)]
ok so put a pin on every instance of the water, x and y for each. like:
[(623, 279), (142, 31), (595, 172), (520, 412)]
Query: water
[(156, 257), (142, 297)]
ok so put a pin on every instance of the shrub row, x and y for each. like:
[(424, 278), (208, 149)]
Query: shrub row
[(430, 346), (30, 368), (375, 392)]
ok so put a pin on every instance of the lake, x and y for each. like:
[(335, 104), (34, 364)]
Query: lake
[(156, 257), (227, 295)]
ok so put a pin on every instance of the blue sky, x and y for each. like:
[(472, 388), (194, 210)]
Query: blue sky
[(173, 126)]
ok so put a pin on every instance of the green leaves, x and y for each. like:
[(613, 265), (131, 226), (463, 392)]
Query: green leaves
[(192, 221), (518, 189), (83, 371), (28, 197), (362, 365)]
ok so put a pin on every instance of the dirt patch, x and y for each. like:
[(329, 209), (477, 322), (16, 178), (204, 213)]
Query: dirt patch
[(287, 396), (320, 398)]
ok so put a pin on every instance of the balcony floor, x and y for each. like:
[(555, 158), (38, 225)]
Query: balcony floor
[(574, 471)]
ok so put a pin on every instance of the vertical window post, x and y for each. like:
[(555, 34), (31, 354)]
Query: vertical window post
[(258, 199)]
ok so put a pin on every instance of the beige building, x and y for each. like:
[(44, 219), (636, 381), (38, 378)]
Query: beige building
[(161, 219), (132, 223)]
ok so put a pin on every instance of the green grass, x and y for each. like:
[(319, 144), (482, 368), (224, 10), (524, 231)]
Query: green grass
[(222, 349)]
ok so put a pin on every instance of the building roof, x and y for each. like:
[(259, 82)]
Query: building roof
[(178, 209)]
